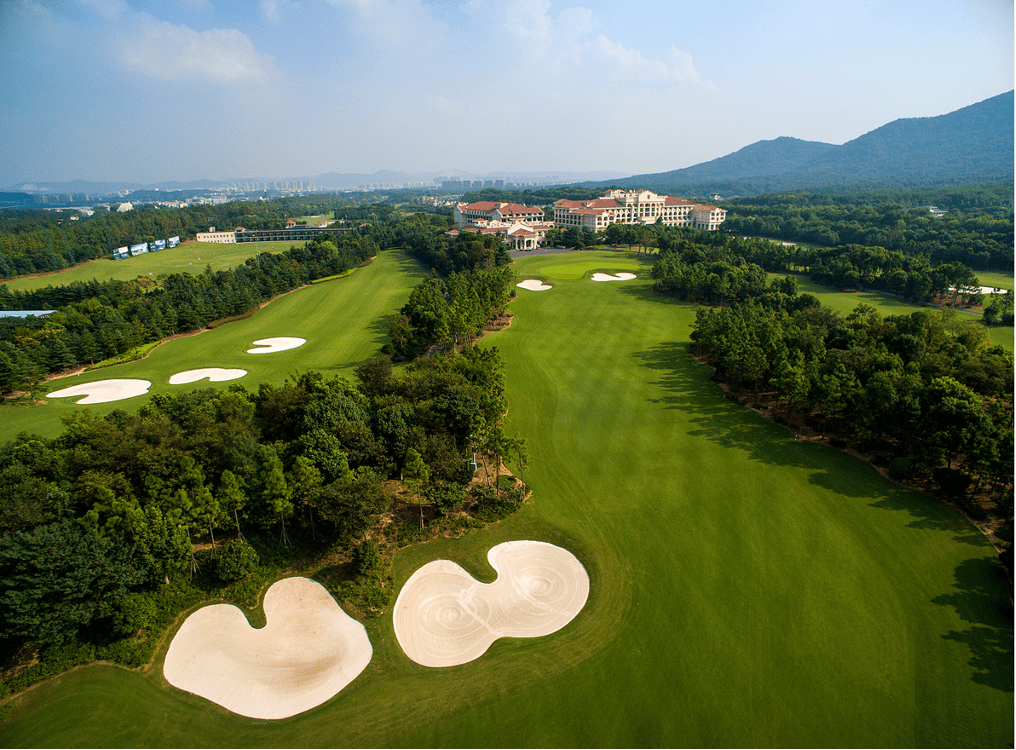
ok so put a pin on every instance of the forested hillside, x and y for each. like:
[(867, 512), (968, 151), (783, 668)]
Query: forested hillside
[(973, 144)]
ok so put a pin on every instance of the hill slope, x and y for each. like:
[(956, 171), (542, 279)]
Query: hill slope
[(972, 144)]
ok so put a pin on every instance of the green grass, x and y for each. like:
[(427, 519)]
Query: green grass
[(886, 304), (191, 257), (747, 589), (342, 320), (995, 278)]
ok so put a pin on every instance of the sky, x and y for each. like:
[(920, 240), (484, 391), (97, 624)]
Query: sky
[(149, 91)]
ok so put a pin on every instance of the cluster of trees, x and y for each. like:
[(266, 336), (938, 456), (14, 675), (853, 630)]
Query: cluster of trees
[(872, 379), (975, 239), (844, 267), (992, 199), (449, 312), (106, 514), (449, 253), (97, 320)]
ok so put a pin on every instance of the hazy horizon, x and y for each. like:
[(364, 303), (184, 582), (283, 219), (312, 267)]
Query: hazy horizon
[(150, 92)]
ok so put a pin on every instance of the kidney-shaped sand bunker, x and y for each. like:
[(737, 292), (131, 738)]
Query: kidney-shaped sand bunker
[(306, 653), (104, 391), (443, 616)]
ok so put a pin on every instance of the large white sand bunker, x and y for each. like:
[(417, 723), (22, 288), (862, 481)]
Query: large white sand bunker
[(534, 285), (277, 344), (616, 277), (102, 391), (306, 653), (443, 616), (214, 375)]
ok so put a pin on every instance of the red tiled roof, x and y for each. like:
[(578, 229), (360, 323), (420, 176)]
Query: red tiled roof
[(480, 206), (672, 201), (518, 208)]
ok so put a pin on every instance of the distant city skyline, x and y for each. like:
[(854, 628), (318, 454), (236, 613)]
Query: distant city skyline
[(149, 92)]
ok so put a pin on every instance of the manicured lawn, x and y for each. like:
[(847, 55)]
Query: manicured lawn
[(747, 589), (191, 257), (342, 320), (995, 278), (886, 304)]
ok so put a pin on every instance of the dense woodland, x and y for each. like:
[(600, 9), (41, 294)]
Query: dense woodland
[(977, 240), (112, 528), (100, 525)]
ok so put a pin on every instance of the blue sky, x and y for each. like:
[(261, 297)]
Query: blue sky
[(180, 90)]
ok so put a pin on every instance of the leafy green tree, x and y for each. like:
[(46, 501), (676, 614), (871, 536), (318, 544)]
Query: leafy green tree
[(58, 578), (275, 493), (416, 474), (237, 561)]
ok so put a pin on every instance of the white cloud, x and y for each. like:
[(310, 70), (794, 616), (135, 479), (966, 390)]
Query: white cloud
[(273, 10), (176, 52), (630, 65)]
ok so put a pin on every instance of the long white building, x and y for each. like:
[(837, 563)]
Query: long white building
[(636, 207)]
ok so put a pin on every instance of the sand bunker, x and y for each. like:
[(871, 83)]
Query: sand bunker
[(214, 375), (443, 616), (608, 277), (277, 344), (534, 285), (102, 391), (309, 650)]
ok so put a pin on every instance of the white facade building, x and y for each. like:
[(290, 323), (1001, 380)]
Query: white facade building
[(636, 207), (465, 214), (522, 227)]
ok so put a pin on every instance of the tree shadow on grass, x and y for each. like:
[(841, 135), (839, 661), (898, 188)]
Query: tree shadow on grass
[(980, 597), (990, 639), (688, 388)]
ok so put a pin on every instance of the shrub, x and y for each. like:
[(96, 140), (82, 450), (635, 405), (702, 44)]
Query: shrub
[(366, 557), (446, 495), (137, 610), (901, 468), (238, 560)]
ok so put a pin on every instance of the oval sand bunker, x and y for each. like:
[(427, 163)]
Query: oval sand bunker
[(276, 344), (534, 285), (443, 616), (214, 375), (103, 391), (608, 277), (308, 651)]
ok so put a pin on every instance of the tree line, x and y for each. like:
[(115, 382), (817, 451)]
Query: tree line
[(40, 241), (98, 320), (976, 239), (878, 382), (97, 524), (848, 267)]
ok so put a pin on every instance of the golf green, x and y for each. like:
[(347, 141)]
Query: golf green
[(747, 589)]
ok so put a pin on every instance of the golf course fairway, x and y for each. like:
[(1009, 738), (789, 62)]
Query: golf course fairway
[(746, 589)]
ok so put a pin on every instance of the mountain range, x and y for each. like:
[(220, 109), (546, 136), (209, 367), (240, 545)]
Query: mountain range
[(972, 144)]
